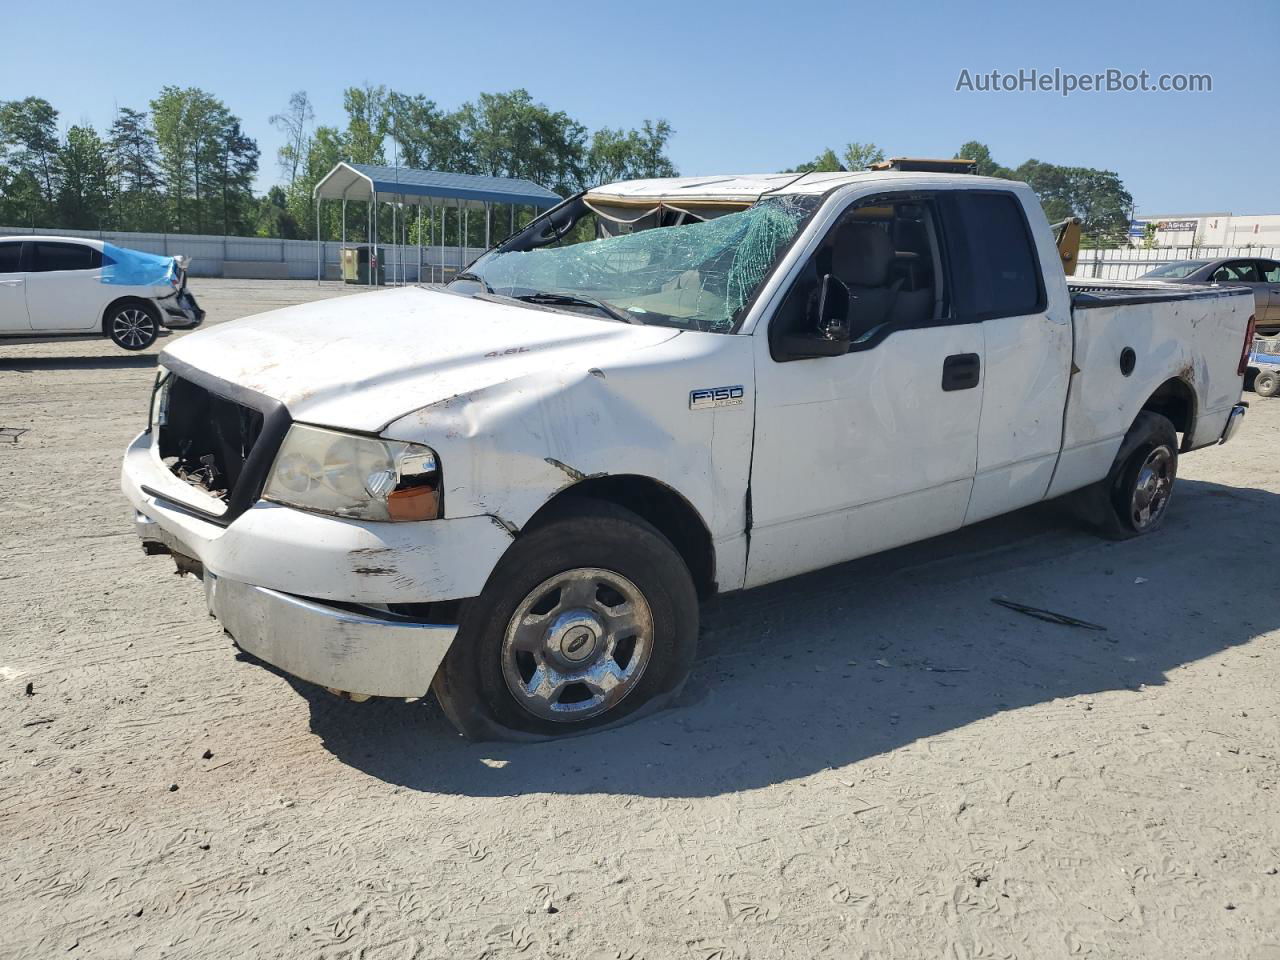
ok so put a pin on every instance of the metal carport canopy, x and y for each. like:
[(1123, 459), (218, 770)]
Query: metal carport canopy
[(362, 181)]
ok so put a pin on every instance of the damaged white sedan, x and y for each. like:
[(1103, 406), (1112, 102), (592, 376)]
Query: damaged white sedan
[(515, 491), (74, 288)]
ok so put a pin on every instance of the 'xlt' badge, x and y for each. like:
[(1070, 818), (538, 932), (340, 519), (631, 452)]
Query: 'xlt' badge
[(710, 397)]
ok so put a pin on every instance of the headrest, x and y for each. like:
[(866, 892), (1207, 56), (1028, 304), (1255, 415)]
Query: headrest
[(861, 255)]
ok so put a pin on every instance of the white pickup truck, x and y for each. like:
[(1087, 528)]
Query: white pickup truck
[(515, 490)]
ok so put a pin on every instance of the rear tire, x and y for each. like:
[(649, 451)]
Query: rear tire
[(587, 617), (1134, 498), (132, 325), (1266, 383)]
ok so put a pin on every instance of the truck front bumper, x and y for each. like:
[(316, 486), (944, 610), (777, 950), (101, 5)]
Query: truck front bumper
[(307, 593), (342, 649)]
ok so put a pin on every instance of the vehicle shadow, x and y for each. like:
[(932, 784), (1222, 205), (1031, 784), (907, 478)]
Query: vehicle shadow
[(118, 362), (837, 666)]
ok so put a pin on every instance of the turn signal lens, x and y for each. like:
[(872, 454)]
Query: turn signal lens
[(414, 503)]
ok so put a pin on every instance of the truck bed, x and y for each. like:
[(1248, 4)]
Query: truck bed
[(1086, 293)]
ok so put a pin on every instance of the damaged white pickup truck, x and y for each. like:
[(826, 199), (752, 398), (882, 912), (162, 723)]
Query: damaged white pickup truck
[(516, 489)]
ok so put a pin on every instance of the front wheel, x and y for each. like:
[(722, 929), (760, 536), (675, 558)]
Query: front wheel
[(133, 326), (1133, 499), (587, 618)]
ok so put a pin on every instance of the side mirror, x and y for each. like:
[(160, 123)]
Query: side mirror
[(829, 318)]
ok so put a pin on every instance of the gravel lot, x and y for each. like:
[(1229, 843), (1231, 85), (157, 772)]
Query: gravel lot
[(872, 761)]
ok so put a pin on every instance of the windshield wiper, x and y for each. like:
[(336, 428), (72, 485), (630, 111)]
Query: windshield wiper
[(476, 278), (577, 300)]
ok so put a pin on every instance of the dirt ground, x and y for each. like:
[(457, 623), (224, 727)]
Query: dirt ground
[(871, 761)]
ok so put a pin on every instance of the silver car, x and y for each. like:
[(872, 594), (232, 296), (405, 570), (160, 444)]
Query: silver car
[(1261, 276)]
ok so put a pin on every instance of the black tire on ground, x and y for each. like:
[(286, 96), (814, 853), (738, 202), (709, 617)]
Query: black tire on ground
[(1266, 383), (132, 324), (521, 638), (1133, 499)]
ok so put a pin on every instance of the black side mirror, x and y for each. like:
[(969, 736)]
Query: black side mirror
[(829, 319)]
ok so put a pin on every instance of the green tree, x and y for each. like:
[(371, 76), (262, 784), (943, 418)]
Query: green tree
[(629, 155), (860, 156), (368, 123), (231, 176), (85, 189), (207, 160), (512, 136), (323, 150), (981, 154), (272, 217), (134, 164), (825, 162), (1097, 197), (29, 146)]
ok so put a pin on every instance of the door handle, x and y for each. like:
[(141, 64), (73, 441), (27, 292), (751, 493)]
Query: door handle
[(961, 371), (10, 283)]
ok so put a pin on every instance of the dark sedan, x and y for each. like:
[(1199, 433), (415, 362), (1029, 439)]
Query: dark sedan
[(1261, 276)]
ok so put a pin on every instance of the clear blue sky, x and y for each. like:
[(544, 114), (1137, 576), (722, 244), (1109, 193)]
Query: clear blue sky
[(748, 85)]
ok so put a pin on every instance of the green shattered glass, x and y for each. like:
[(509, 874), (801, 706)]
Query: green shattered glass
[(698, 274)]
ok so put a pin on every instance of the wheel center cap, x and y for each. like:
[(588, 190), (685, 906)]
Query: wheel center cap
[(575, 635)]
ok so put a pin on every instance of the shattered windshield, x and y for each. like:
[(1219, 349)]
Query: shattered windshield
[(694, 275)]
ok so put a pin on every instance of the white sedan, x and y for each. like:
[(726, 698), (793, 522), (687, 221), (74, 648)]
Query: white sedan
[(69, 287)]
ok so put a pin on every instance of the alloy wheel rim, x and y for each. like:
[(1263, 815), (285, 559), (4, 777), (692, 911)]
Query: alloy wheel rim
[(577, 644), (1152, 489), (133, 327)]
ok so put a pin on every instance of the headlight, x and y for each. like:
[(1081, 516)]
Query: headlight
[(354, 476)]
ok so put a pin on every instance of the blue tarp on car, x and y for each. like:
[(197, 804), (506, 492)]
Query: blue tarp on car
[(136, 269)]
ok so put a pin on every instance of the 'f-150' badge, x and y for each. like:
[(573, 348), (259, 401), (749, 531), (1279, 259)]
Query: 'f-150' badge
[(710, 397)]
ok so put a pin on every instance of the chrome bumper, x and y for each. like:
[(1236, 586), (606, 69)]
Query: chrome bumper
[(1234, 419), (331, 646)]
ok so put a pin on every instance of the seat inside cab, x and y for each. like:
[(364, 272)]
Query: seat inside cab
[(885, 255)]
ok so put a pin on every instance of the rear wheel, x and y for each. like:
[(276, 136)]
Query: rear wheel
[(585, 620), (133, 325), (1133, 499), (1266, 383)]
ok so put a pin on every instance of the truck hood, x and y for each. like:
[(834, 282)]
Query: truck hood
[(359, 362)]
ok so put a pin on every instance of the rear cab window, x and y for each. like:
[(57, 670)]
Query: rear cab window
[(49, 256), (997, 269)]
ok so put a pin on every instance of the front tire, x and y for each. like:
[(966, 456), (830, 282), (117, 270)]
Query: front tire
[(1134, 498), (133, 325), (587, 617)]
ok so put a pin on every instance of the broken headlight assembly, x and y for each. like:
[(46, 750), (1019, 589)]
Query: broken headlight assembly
[(348, 475)]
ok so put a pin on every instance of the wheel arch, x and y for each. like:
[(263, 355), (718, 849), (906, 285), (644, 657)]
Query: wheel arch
[(1175, 399), (656, 502), (120, 302)]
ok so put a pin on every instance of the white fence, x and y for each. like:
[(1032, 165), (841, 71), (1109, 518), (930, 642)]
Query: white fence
[(296, 259), (1128, 263), (269, 258)]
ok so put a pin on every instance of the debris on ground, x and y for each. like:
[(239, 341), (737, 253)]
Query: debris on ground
[(1048, 616), (11, 434)]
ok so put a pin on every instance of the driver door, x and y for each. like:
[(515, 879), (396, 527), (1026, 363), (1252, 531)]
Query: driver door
[(876, 447)]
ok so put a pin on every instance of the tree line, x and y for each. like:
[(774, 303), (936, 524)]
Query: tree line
[(1097, 197), (186, 165)]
